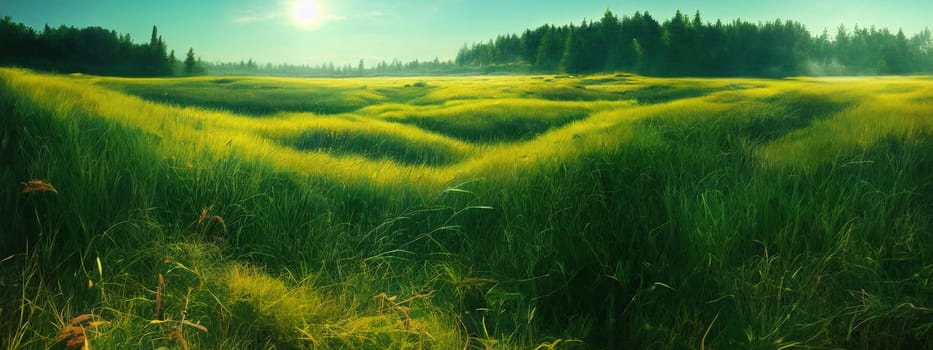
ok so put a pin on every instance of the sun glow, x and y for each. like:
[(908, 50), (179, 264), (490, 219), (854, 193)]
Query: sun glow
[(307, 14)]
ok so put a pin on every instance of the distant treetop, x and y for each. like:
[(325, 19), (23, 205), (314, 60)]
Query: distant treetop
[(91, 50), (690, 46)]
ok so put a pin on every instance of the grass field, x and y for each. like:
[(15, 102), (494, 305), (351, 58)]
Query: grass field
[(512, 212)]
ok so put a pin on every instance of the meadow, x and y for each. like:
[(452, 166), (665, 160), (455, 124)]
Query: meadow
[(491, 212)]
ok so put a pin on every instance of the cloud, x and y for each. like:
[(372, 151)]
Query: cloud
[(249, 17), (283, 13)]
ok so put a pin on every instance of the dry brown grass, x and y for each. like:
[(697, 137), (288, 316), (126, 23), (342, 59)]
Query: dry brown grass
[(38, 186)]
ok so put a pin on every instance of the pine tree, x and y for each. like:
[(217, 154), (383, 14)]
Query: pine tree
[(551, 50), (156, 61), (639, 55), (154, 40), (172, 61), (572, 59), (190, 62)]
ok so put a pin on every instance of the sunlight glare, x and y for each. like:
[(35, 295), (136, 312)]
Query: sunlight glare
[(306, 13)]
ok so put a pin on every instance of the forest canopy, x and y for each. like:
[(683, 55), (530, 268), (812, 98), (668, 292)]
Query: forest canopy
[(691, 46), (91, 50)]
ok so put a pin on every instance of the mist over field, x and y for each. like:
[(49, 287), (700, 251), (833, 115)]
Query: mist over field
[(628, 182)]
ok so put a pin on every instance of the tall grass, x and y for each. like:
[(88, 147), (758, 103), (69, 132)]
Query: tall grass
[(474, 212), (256, 97)]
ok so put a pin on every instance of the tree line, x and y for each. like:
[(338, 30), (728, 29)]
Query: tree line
[(638, 43), (690, 46), (382, 68), (91, 50)]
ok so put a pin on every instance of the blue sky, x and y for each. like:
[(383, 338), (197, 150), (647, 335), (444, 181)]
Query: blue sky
[(347, 30)]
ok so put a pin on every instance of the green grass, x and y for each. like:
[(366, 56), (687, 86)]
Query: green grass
[(491, 121), (248, 96), (468, 212)]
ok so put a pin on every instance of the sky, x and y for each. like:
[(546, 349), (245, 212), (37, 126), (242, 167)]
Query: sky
[(345, 31)]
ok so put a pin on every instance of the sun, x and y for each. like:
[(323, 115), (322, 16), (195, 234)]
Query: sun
[(306, 13)]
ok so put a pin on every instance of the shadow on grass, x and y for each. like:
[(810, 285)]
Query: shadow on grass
[(409, 94), (375, 147), (655, 94), (248, 97), (493, 127), (791, 111)]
